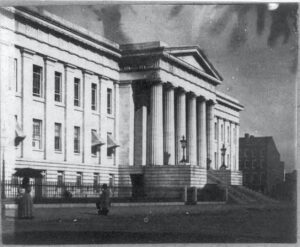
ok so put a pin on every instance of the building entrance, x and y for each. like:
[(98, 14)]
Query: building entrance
[(137, 181)]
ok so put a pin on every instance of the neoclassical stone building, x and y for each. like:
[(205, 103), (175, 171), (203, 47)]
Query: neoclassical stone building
[(83, 108)]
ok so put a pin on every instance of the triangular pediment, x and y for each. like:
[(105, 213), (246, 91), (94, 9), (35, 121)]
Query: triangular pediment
[(192, 61), (193, 56)]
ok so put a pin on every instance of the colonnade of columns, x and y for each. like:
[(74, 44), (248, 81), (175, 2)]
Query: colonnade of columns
[(175, 113), (227, 136)]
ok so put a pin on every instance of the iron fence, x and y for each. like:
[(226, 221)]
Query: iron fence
[(52, 190)]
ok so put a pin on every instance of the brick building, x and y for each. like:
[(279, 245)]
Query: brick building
[(259, 160)]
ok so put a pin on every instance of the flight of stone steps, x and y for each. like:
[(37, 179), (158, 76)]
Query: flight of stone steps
[(242, 195)]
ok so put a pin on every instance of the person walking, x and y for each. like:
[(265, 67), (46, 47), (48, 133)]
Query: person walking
[(103, 203), (25, 204)]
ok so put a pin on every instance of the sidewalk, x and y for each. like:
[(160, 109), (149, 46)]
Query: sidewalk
[(153, 224)]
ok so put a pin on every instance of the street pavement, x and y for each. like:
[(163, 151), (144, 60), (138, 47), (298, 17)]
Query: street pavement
[(228, 223)]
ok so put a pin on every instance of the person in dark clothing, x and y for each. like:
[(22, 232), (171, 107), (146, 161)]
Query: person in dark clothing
[(25, 205), (103, 203)]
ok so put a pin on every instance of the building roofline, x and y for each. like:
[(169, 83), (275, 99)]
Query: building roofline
[(47, 18), (158, 48), (228, 100)]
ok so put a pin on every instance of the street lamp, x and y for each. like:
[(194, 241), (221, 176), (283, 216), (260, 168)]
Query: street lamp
[(183, 146), (223, 151)]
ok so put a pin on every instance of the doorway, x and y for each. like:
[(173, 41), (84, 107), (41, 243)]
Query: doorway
[(137, 181)]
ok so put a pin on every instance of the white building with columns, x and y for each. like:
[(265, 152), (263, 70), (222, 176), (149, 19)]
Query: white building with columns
[(83, 108)]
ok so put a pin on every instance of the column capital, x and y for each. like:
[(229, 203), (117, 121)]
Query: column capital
[(103, 77), (191, 94), (211, 102), (27, 52), (168, 85), (181, 90), (87, 72), (201, 98), (50, 59), (69, 66)]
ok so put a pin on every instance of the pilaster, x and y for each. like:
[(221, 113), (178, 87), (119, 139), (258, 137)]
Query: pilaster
[(210, 132), (237, 147), (87, 134), (69, 103), (117, 125), (49, 119), (126, 132), (27, 78)]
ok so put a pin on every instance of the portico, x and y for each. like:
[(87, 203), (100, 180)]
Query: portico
[(171, 99)]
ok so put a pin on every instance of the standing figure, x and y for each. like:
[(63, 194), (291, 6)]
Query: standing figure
[(103, 203), (25, 204)]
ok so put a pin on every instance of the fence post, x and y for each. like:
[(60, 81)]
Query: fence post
[(195, 195), (185, 194), (226, 193)]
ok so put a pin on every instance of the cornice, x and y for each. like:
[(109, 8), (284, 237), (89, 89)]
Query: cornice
[(70, 32)]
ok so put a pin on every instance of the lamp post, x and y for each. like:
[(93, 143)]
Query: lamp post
[(183, 146), (223, 152)]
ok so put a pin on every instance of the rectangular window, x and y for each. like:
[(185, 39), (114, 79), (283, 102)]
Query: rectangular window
[(78, 178), (37, 81), (109, 101), (76, 92), (110, 151), (58, 87), (76, 139), (94, 97), (93, 148), (57, 138), (60, 178), (37, 134), (16, 74)]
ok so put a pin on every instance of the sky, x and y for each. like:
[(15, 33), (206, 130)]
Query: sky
[(253, 46)]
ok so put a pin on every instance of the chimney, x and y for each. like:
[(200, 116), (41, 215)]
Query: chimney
[(246, 135)]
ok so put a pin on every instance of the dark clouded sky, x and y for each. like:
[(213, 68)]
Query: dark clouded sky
[(254, 48)]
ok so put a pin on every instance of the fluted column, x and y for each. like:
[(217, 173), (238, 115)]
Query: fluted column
[(201, 133), (192, 130), (169, 126), (180, 122), (218, 163), (210, 133), (156, 132)]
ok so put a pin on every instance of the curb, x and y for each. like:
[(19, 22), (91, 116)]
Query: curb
[(121, 204)]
